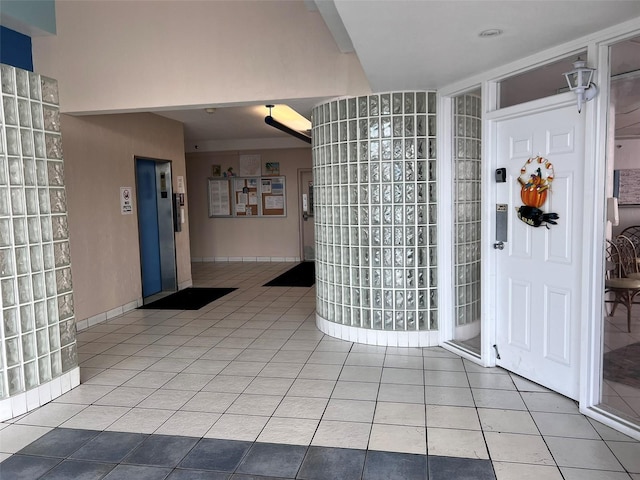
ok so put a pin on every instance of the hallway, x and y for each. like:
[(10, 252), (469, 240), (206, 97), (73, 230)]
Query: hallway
[(250, 375)]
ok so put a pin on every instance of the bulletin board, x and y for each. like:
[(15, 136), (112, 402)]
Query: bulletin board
[(247, 197), (274, 200)]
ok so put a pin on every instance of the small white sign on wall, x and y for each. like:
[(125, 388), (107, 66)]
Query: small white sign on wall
[(250, 166), (180, 181), (126, 201)]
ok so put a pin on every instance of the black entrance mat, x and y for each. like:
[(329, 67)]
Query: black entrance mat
[(302, 275), (623, 365), (189, 299)]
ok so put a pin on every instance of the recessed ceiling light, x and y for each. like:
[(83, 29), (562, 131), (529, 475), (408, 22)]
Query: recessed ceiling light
[(210, 110), (490, 32)]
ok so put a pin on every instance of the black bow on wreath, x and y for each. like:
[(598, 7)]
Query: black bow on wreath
[(536, 217)]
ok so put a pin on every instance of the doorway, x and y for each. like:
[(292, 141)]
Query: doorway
[(538, 274), (307, 225), (155, 228), (620, 382)]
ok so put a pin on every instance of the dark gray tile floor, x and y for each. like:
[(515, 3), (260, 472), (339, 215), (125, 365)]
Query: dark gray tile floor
[(65, 453)]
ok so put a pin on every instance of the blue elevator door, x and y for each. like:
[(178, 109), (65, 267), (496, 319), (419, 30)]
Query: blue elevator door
[(148, 227)]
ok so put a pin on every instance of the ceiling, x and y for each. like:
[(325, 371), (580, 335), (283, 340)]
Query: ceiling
[(225, 126), (432, 43)]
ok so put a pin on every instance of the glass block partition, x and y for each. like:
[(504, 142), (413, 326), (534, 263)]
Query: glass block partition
[(374, 167), (467, 190), (38, 355)]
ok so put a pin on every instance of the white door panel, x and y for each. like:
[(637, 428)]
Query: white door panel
[(559, 237), (519, 314), (558, 324), (560, 141), (520, 147), (538, 273)]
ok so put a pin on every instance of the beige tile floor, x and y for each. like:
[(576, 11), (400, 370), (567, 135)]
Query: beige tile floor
[(252, 366)]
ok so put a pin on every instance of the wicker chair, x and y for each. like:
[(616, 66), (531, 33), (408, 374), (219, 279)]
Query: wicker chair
[(629, 259), (623, 288), (633, 234)]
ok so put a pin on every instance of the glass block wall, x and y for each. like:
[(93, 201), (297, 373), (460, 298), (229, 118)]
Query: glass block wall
[(467, 206), (374, 167), (38, 344)]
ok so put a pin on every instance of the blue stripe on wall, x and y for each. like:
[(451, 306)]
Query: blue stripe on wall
[(15, 49)]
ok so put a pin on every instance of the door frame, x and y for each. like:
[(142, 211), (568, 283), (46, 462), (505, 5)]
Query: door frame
[(301, 172), (594, 212), (593, 257), (446, 311), (489, 302)]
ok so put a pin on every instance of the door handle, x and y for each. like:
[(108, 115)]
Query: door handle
[(498, 245), (305, 216)]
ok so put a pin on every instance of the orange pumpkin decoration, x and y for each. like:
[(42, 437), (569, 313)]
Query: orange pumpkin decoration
[(536, 187), (534, 195)]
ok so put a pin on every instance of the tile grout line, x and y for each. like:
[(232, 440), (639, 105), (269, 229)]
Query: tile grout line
[(475, 406)]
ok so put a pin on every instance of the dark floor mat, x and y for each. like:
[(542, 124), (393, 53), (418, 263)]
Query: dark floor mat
[(302, 275), (623, 365), (189, 299)]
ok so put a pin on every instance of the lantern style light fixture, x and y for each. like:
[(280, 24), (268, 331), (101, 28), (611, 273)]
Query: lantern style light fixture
[(579, 81)]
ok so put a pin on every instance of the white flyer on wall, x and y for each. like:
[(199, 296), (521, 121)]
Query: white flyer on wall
[(126, 201), (277, 186), (250, 166), (219, 198), (274, 203)]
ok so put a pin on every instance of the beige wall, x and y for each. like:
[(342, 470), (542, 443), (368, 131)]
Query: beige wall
[(99, 159), (244, 237), (114, 56)]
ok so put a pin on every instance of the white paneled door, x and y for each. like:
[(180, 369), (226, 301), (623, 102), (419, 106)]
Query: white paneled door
[(538, 270)]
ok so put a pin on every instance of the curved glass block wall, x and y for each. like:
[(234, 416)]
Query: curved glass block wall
[(38, 355), (374, 167), (467, 199)]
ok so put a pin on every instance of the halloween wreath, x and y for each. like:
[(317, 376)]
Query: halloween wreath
[(535, 180)]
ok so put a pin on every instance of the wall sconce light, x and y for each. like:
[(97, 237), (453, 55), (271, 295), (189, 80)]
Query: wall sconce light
[(269, 120), (579, 81)]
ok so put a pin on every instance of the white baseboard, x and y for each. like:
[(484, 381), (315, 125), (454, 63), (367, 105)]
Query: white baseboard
[(388, 338), (104, 316), (24, 402)]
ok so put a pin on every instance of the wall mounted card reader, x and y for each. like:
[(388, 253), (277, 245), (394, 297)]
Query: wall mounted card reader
[(501, 175)]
